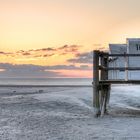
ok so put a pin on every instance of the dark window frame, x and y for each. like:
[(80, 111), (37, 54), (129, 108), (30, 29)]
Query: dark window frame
[(138, 47)]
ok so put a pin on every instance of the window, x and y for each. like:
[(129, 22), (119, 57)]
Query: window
[(138, 47)]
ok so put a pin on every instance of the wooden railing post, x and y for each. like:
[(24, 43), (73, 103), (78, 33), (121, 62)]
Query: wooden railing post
[(105, 88), (96, 103)]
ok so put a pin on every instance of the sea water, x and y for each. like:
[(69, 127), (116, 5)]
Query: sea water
[(45, 81)]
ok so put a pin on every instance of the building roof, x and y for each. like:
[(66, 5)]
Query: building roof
[(132, 39), (117, 48)]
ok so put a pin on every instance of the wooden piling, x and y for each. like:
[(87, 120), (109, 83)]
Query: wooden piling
[(108, 87), (101, 93), (96, 103), (105, 89)]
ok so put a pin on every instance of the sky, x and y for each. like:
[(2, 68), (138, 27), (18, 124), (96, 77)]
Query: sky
[(55, 38)]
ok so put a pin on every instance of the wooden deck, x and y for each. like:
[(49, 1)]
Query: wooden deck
[(105, 82)]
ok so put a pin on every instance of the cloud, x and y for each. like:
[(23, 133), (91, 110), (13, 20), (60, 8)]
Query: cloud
[(68, 67), (68, 49), (65, 48), (83, 58), (11, 70), (27, 71), (26, 53), (44, 52), (2, 52), (48, 55), (5, 53), (43, 49), (71, 48)]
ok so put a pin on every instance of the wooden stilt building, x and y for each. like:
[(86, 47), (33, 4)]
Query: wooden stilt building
[(102, 71)]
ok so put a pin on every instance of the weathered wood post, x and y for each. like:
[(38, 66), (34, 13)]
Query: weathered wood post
[(108, 86), (96, 103), (102, 88), (105, 89)]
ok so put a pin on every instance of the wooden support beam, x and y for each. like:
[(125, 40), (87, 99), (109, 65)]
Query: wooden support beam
[(101, 92), (96, 103), (106, 82), (119, 68), (122, 55), (105, 89)]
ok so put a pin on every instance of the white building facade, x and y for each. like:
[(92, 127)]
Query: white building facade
[(132, 46)]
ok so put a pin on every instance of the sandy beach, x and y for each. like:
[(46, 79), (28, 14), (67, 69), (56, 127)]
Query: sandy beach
[(66, 113)]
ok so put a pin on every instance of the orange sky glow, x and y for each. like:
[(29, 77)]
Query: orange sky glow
[(63, 32)]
